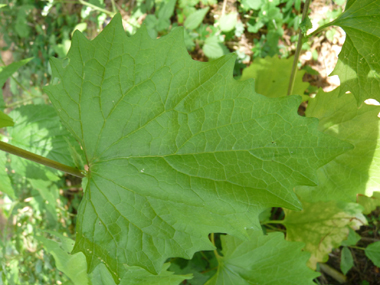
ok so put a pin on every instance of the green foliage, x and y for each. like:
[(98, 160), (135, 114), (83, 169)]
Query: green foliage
[(322, 226), (263, 259), (346, 260), (373, 252), (175, 131), (347, 175), (176, 149), (358, 66), (272, 77)]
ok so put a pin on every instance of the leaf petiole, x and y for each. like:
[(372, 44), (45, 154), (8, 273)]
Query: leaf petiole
[(40, 159)]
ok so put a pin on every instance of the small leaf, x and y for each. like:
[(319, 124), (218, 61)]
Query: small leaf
[(346, 260), (373, 253), (352, 238), (213, 48), (227, 22), (272, 76), (263, 259), (166, 10), (322, 226), (195, 19), (306, 25), (5, 120)]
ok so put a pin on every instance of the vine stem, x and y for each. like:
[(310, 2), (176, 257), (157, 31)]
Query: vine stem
[(40, 159), (298, 50), (215, 250)]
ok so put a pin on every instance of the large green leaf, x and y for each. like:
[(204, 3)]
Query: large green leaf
[(262, 260), (322, 226), (176, 148), (272, 76), (358, 66), (356, 171)]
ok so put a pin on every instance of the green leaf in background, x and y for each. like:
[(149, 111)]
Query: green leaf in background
[(358, 66), (356, 171), (272, 76), (369, 203), (73, 265), (145, 112), (21, 24), (5, 182), (253, 4), (2, 5), (202, 266), (322, 226), (213, 48), (38, 129), (6, 72), (352, 238), (227, 22), (373, 252), (306, 25), (195, 19), (346, 260), (5, 120), (263, 259)]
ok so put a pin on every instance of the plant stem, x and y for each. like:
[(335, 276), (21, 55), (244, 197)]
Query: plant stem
[(298, 50), (333, 273), (40, 159), (224, 7), (356, 247), (215, 250), (273, 222), (97, 8)]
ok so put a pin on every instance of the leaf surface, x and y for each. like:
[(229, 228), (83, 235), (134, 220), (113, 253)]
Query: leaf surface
[(358, 66), (369, 203), (322, 226), (176, 148), (373, 252), (356, 171), (272, 76), (263, 259), (347, 261), (5, 120), (195, 19)]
